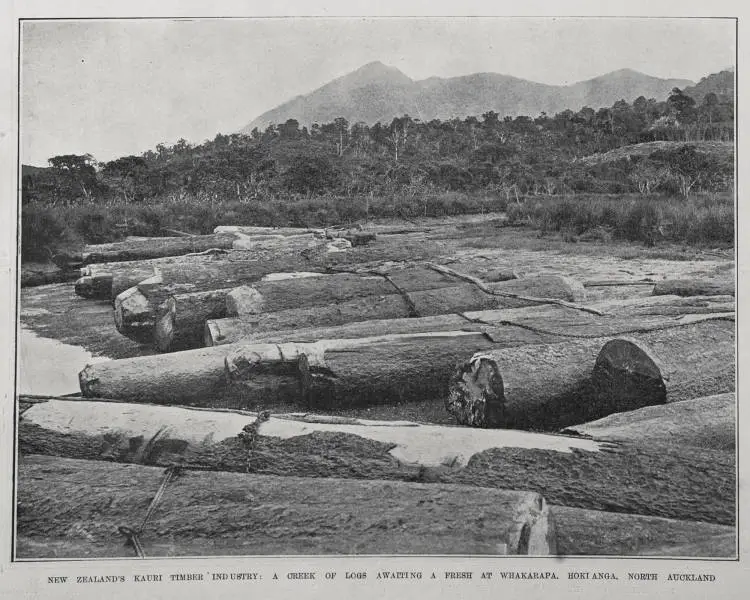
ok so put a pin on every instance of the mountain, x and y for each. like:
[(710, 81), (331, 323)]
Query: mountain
[(721, 84), (377, 92)]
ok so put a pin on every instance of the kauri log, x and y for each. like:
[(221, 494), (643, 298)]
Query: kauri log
[(146, 248), (695, 287), (708, 422), (181, 320), (558, 385), (618, 317), (214, 513)]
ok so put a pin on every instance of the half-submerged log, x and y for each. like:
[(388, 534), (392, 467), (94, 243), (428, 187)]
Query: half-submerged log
[(558, 385), (695, 287), (181, 320), (440, 301), (146, 248), (249, 230), (345, 516), (708, 422), (618, 317)]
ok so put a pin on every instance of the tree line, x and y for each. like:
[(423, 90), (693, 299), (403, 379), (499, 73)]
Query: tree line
[(510, 156)]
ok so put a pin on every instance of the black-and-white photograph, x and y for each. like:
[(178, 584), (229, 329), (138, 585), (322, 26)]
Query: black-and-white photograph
[(429, 286)]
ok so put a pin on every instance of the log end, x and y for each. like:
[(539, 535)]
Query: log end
[(87, 381), (244, 300), (628, 375), (133, 315), (94, 286), (476, 395), (212, 335)]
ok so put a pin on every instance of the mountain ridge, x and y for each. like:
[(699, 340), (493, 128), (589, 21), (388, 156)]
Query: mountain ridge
[(379, 92)]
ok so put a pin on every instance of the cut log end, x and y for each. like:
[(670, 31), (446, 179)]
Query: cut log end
[(476, 393), (627, 375), (133, 315), (244, 300), (94, 286)]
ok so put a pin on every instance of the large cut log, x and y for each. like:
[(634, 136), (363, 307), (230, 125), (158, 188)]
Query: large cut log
[(424, 303), (59, 508), (132, 320), (252, 375), (657, 479), (618, 317), (181, 321), (249, 230), (708, 422), (146, 248), (194, 377), (695, 287), (601, 533), (557, 385), (164, 435), (409, 368)]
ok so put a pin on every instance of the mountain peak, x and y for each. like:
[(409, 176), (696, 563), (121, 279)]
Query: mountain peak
[(375, 72)]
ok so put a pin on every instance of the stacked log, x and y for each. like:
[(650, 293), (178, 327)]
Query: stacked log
[(440, 301), (695, 287), (54, 499), (708, 422), (564, 384), (141, 249), (616, 317), (181, 322), (132, 321)]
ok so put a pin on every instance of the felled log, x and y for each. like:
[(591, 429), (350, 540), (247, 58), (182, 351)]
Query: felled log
[(657, 479), (195, 378), (395, 370), (708, 422), (424, 303), (668, 366), (145, 249), (617, 317), (55, 500), (694, 287), (249, 230), (558, 385), (164, 435), (130, 319), (600, 533), (181, 320)]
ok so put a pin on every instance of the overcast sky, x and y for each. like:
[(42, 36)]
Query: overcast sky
[(111, 88)]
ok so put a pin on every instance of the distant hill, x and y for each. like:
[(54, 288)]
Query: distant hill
[(724, 151), (377, 92), (721, 84)]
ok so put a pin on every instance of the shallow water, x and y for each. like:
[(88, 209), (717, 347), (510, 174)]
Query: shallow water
[(48, 367)]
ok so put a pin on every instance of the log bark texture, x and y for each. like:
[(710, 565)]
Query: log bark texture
[(148, 248), (657, 479), (403, 369), (695, 287), (194, 378), (618, 317), (238, 269), (558, 385), (180, 322), (708, 422), (57, 506), (446, 300)]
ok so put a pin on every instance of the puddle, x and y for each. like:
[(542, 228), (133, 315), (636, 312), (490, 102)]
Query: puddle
[(47, 367)]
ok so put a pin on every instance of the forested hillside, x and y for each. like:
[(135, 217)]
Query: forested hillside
[(347, 171)]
